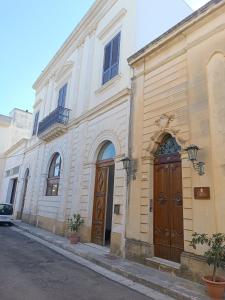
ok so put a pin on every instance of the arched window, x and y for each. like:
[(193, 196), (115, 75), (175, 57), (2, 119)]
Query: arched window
[(107, 152), (168, 146), (54, 176)]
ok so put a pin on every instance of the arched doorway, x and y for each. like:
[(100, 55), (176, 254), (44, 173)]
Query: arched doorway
[(26, 177), (103, 195), (168, 201)]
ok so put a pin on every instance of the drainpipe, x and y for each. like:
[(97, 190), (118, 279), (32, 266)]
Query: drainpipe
[(130, 140)]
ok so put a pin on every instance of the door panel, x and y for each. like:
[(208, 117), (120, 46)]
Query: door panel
[(177, 236), (161, 207), (168, 211), (98, 219)]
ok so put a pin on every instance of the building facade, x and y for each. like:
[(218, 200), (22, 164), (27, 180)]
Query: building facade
[(178, 100), (14, 132), (81, 123)]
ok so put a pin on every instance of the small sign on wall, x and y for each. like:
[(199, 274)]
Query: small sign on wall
[(202, 193)]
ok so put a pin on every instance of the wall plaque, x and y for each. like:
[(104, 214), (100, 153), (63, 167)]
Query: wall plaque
[(202, 193)]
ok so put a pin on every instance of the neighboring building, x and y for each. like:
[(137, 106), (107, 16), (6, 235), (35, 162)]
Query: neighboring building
[(179, 99), (15, 129), (81, 121)]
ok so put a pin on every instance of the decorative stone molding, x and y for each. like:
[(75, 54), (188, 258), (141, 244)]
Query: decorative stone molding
[(106, 135), (164, 126), (112, 23), (64, 69)]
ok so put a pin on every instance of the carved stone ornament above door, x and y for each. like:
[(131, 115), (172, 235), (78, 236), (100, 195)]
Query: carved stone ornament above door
[(164, 125)]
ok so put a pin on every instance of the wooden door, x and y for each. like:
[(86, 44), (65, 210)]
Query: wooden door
[(168, 208), (99, 207), (23, 198)]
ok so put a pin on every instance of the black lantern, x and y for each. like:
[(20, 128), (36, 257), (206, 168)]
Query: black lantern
[(131, 167), (192, 151), (126, 163), (201, 168)]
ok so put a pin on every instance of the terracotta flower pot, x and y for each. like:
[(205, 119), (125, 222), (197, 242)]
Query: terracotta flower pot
[(74, 238), (215, 288)]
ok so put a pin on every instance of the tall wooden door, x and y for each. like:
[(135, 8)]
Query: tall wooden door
[(24, 194), (99, 207), (168, 208)]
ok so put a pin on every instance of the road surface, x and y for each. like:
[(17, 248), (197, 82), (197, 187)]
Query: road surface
[(31, 271)]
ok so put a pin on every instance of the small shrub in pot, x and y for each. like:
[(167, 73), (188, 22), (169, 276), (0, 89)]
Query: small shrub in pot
[(215, 256), (73, 225)]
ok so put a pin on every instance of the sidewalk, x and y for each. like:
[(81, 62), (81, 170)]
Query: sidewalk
[(162, 282)]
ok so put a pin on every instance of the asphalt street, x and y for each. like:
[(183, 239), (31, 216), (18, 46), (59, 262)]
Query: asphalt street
[(31, 271)]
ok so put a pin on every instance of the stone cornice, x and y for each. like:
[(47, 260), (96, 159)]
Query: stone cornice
[(86, 27), (102, 108), (112, 23), (15, 146)]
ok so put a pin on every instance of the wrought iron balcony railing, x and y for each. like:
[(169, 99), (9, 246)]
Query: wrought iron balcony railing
[(58, 116)]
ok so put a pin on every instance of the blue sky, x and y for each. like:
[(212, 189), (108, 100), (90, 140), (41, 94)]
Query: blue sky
[(31, 32)]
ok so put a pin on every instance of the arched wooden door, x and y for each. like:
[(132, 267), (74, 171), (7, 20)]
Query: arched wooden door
[(168, 201), (103, 196)]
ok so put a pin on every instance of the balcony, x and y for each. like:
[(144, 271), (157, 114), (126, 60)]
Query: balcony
[(54, 125)]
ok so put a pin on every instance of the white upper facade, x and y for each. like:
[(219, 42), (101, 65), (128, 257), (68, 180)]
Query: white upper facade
[(75, 74), (14, 127)]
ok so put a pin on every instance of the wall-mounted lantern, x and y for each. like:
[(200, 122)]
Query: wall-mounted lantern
[(130, 166), (198, 166)]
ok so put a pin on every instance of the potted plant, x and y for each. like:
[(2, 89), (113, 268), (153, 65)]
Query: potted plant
[(215, 255), (73, 225)]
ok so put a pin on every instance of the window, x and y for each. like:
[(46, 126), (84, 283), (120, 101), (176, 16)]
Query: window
[(62, 96), (54, 176), (111, 59), (107, 152), (35, 123)]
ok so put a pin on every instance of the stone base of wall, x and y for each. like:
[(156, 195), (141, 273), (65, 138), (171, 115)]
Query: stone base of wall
[(194, 267), (85, 234), (30, 219), (137, 250), (49, 224), (116, 243)]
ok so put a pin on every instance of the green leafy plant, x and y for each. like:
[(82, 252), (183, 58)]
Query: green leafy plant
[(215, 254), (74, 223)]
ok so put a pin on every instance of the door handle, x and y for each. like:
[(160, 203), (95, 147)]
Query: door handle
[(151, 205)]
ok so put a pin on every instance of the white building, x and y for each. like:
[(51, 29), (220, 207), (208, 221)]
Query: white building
[(82, 107), (14, 132)]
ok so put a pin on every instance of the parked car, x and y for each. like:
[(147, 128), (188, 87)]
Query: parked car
[(6, 213)]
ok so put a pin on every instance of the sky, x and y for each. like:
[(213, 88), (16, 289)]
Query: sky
[(31, 32)]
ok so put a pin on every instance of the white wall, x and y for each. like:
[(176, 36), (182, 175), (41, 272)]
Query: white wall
[(156, 17)]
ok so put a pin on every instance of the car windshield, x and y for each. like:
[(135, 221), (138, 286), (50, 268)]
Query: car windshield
[(6, 209)]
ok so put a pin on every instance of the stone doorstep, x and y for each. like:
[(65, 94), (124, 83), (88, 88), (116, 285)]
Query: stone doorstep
[(166, 283), (163, 265)]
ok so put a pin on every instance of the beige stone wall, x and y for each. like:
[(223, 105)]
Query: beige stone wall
[(179, 89)]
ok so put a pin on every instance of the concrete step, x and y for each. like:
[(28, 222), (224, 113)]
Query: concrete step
[(163, 265), (164, 282)]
